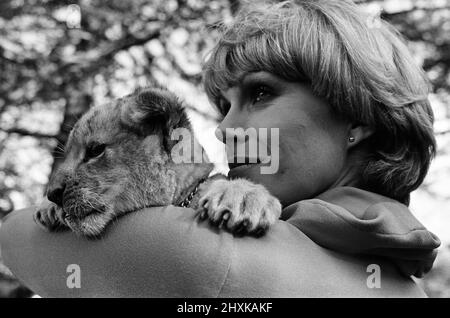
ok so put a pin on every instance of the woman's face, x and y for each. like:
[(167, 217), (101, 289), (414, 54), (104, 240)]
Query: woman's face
[(312, 141)]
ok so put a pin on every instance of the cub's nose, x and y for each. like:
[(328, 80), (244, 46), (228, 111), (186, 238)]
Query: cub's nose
[(56, 189)]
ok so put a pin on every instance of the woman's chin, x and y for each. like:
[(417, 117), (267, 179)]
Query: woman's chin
[(253, 172), (287, 189)]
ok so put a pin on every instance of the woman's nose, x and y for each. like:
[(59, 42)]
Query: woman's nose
[(227, 136), (220, 134), (233, 136), (230, 128)]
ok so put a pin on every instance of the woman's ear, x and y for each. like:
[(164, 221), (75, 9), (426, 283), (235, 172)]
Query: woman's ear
[(358, 133)]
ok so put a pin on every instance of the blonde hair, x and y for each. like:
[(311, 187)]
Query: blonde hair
[(363, 69)]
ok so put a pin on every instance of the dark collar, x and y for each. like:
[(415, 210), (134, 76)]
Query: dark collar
[(187, 200)]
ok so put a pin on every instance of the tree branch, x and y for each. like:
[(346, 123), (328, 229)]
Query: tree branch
[(24, 132), (430, 63), (415, 8), (196, 79), (91, 60), (443, 132)]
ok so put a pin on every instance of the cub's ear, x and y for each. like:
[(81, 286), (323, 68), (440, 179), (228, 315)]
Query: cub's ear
[(151, 109)]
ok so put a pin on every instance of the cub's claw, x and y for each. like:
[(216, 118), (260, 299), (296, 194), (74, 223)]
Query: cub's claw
[(50, 217), (240, 206)]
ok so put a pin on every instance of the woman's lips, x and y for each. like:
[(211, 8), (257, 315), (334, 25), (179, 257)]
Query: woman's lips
[(238, 162), (236, 165)]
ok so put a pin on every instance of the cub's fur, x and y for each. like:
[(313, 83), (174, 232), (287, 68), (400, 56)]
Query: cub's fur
[(118, 160)]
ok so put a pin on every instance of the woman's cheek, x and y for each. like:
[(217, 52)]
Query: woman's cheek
[(311, 161), (328, 162)]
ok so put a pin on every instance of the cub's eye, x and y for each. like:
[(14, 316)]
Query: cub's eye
[(94, 150), (259, 93)]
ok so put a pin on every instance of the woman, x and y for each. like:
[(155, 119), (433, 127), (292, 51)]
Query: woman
[(355, 138)]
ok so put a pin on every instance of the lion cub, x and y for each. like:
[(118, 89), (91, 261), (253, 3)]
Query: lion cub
[(118, 160)]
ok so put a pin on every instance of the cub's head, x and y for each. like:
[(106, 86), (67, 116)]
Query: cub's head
[(118, 160)]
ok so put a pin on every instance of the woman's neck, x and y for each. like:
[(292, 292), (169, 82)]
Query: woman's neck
[(352, 172)]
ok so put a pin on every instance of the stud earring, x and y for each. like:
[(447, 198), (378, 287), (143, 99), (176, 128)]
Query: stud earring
[(351, 139)]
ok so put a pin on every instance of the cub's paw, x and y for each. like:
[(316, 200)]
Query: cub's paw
[(50, 217), (240, 206)]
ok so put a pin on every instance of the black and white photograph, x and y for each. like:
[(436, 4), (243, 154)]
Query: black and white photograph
[(203, 151)]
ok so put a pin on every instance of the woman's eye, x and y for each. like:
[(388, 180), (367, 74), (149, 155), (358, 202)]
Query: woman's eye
[(94, 151), (260, 93)]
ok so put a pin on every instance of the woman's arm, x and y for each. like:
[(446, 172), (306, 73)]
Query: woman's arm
[(166, 252), (155, 252)]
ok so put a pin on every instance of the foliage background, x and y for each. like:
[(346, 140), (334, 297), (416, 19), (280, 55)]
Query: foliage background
[(58, 58)]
